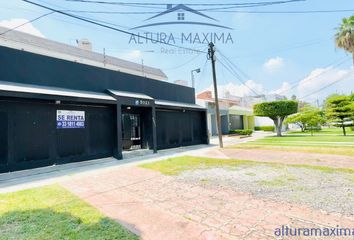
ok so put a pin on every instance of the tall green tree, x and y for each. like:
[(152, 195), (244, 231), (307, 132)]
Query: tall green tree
[(277, 111), (339, 109), (308, 117), (344, 37)]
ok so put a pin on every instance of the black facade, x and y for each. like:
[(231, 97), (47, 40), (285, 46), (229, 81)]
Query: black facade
[(29, 134), (25, 67), (179, 128), (29, 137)]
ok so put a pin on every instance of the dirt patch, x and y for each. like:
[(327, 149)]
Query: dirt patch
[(330, 192)]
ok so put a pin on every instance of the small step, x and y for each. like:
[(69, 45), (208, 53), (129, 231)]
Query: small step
[(137, 153)]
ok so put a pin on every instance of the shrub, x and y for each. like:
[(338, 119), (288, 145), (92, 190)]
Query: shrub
[(247, 132), (265, 128)]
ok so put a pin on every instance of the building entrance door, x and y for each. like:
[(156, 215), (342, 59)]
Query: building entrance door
[(131, 131)]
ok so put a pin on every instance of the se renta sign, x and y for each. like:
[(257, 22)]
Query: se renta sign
[(70, 119)]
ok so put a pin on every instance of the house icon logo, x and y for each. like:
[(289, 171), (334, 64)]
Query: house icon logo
[(183, 15)]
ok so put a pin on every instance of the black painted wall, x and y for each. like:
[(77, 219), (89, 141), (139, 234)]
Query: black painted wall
[(25, 67), (180, 128), (29, 137)]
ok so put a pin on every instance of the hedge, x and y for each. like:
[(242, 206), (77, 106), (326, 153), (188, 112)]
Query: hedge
[(247, 132), (265, 128)]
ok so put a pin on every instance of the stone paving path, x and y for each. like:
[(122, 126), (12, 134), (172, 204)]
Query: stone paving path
[(262, 155), (158, 207)]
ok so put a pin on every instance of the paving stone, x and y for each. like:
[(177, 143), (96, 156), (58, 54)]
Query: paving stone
[(162, 207)]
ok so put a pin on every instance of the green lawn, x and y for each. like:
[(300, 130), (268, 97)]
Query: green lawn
[(174, 166), (294, 139), (326, 144), (54, 213), (325, 131)]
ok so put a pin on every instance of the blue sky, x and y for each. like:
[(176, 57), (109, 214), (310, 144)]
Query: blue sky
[(271, 51)]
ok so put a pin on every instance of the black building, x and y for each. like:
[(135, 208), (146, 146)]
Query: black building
[(61, 104)]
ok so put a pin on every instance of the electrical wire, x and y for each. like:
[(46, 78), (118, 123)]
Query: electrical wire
[(296, 83), (236, 69), (217, 11), (245, 75), (290, 12), (225, 6), (326, 86), (187, 4), (238, 77), (184, 64), (202, 73), (107, 26), (27, 22)]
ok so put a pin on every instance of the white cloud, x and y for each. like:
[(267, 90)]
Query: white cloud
[(27, 28), (273, 64), (342, 80), (285, 87)]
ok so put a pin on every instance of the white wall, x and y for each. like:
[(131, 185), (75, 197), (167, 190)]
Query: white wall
[(263, 121)]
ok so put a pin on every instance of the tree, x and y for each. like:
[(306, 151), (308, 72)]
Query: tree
[(277, 111), (339, 109), (344, 37), (308, 117)]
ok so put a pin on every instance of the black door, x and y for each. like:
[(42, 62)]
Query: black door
[(131, 131), (3, 137), (29, 136)]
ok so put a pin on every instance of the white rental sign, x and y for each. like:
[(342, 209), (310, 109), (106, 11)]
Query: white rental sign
[(70, 119)]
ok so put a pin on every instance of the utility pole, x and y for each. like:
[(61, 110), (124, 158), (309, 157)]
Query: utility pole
[(211, 55)]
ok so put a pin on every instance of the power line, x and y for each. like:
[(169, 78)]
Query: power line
[(260, 4), (232, 67), (296, 83), (282, 49), (108, 27), (187, 4), (201, 75), (218, 8), (183, 64), (291, 12), (238, 77), (27, 22), (326, 86), (224, 7), (217, 11)]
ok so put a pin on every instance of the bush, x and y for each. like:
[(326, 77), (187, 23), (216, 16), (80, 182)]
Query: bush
[(265, 128), (246, 132)]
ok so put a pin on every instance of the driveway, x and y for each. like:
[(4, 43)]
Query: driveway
[(157, 206)]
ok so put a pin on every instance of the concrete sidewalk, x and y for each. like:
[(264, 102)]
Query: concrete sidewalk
[(14, 181)]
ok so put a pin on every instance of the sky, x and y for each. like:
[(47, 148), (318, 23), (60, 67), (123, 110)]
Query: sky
[(258, 51)]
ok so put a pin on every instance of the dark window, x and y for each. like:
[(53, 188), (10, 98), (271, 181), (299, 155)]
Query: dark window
[(180, 16), (236, 122)]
